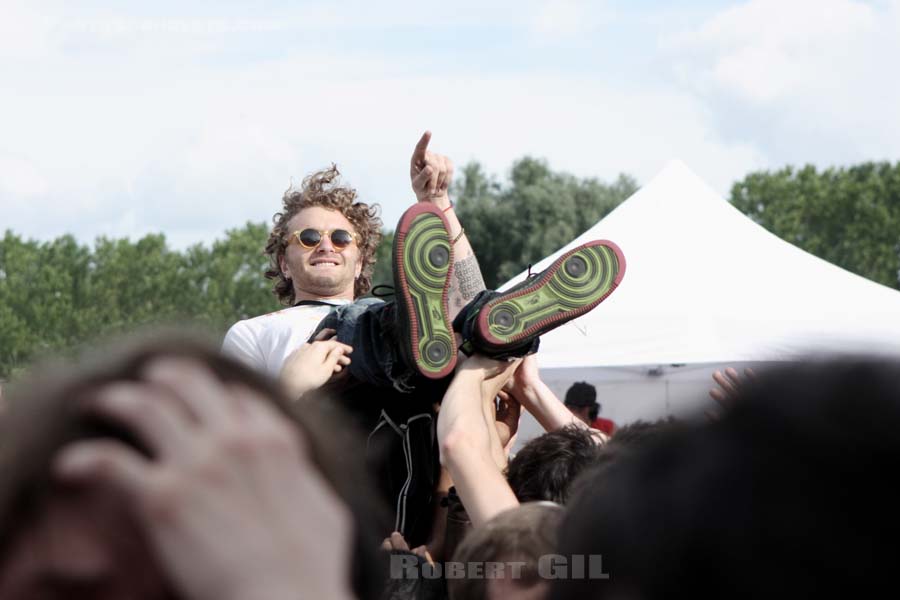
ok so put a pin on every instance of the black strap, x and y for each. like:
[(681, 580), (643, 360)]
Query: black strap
[(314, 303)]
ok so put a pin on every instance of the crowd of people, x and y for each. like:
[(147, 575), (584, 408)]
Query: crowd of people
[(351, 447)]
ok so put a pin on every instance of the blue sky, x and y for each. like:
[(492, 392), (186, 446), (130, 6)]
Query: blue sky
[(123, 118)]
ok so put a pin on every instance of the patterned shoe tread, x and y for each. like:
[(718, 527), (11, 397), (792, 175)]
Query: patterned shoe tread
[(423, 255), (573, 285)]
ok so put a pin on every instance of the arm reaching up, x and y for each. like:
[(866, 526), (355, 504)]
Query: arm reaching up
[(537, 398), (468, 440), (431, 174)]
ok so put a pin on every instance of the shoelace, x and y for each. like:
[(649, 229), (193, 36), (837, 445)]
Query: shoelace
[(377, 294)]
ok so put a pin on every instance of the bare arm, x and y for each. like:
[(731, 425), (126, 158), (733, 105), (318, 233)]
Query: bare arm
[(431, 175), (538, 399), (467, 441)]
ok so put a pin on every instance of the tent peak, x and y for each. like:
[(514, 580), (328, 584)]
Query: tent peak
[(677, 175)]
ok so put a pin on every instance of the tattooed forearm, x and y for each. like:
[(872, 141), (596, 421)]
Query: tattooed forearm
[(469, 280)]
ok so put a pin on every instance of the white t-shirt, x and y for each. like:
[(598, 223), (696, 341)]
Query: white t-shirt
[(265, 342)]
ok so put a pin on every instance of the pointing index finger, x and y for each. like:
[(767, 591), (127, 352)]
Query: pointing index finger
[(418, 157)]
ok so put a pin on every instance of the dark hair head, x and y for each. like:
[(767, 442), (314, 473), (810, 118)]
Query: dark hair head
[(546, 466), (624, 442), (638, 433), (790, 494), (323, 189), (43, 415), (581, 394)]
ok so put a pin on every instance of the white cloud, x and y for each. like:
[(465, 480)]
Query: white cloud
[(554, 20), (210, 154), (158, 131), (806, 81), (20, 179), (25, 30), (766, 50), (123, 24)]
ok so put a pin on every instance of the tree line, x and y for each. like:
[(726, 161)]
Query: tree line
[(58, 294)]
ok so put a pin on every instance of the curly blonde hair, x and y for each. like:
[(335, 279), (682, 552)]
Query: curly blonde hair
[(323, 189)]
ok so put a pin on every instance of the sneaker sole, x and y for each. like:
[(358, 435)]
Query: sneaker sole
[(573, 285), (423, 260)]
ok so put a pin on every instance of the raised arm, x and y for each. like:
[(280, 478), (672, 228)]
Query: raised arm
[(537, 398), (431, 175), (466, 438)]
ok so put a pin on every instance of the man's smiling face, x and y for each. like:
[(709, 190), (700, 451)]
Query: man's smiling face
[(324, 271)]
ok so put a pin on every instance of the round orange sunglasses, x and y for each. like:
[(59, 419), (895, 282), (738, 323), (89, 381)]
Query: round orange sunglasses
[(311, 238)]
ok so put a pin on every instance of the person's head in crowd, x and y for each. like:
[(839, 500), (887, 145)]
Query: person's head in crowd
[(546, 466), (637, 433), (581, 399), (72, 539), (790, 495), (516, 538), (624, 442), (322, 262)]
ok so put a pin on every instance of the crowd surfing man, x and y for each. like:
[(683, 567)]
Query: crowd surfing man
[(322, 251)]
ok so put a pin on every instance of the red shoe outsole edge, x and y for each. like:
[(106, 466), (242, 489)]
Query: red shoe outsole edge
[(484, 330), (400, 238)]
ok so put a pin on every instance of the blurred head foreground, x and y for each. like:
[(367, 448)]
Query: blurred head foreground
[(790, 494), (62, 539), (517, 539)]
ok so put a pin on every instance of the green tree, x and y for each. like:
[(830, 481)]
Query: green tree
[(227, 280), (59, 294), (847, 216), (536, 213), (384, 274), (42, 289)]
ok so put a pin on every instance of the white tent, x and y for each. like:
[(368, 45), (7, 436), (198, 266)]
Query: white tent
[(705, 286)]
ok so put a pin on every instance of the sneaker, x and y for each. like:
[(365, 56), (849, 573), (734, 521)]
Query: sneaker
[(423, 264), (508, 323)]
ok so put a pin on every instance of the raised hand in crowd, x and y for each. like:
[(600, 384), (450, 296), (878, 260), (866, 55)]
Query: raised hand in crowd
[(508, 415), (430, 173), (231, 502), (311, 365), (397, 543), (729, 384), (468, 439), (537, 398)]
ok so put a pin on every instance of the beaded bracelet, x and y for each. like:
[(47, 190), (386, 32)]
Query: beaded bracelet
[(462, 230)]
